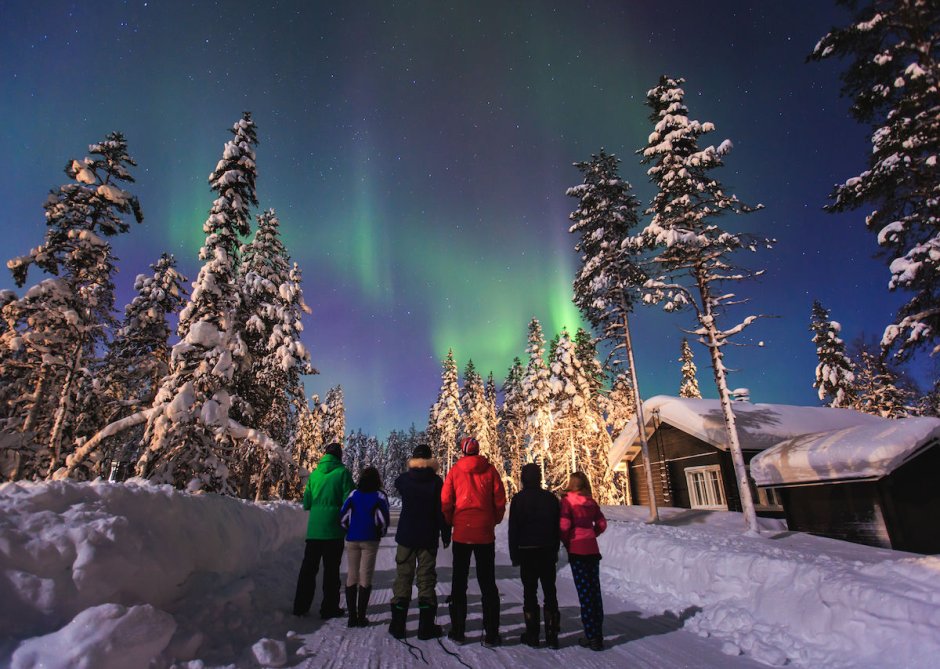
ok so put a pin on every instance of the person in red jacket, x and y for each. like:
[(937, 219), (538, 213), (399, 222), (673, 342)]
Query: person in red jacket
[(473, 501), (581, 523)]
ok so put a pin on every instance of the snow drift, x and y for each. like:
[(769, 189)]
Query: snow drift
[(67, 548), (139, 575)]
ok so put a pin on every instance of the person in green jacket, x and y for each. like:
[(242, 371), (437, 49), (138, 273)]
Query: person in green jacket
[(328, 486)]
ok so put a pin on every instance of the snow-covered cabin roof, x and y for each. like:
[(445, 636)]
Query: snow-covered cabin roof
[(859, 452), (760, 426)]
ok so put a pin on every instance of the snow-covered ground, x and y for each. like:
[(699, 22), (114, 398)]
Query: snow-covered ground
[(133, 575)]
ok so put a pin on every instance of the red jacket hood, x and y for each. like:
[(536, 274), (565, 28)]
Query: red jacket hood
[(472, 463)]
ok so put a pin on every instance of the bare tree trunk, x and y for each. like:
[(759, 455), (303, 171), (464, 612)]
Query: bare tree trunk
[(640, 421), (58, 426), (734, 445), (41, 382)]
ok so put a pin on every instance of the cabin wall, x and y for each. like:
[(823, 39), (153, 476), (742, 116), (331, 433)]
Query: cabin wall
[(911, 501), (849, 511), (672, 451)]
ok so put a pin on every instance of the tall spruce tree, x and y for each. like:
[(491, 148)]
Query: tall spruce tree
[(692, 254), (445, 415), (135, 364), (269, 383), (512, 423), (893, 78), (835, 375), (55, 333), (536, 391), (190, 438), (334, 416), (606, 284), (688, 387), (878, 388)]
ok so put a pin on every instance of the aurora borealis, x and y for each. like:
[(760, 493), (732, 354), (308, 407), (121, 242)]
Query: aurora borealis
[(418, 153)]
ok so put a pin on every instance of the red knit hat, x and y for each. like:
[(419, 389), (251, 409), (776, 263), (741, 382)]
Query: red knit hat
[(469, 446)]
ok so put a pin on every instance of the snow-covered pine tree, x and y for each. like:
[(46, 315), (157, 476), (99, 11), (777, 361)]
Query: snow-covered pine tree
[(878, 389), (606, 284), (688, 387), (476, 412), (190, 438), (334, 416), (135, 364), (620, 405), (602, 477), (269, 384), (835, 376), (690, 251), (309, 446), (55, 332), (355, 452), (446, 416), (536, 391), (893, 79), (512, 424)]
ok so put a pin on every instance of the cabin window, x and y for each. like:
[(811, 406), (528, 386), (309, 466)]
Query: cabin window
[(705, 488), (769, 497)]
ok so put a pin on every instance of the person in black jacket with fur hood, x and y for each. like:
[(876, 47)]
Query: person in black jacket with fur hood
[(533, 547), (420, 525)]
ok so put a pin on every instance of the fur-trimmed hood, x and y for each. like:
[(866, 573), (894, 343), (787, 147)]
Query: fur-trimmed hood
[(424, 463)]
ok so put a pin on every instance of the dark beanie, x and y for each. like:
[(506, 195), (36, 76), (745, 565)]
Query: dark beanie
[(422, 452), (531, 476), (334, 449)]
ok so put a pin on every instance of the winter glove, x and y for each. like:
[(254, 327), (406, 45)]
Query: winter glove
[(445, 542)]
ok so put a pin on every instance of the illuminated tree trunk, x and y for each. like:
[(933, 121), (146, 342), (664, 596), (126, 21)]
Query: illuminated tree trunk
[(640, 421)]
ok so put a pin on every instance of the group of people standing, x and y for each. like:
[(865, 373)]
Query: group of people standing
[(463, 510)]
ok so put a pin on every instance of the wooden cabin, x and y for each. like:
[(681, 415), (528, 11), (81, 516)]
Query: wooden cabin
[(689, 451), (872, 484)]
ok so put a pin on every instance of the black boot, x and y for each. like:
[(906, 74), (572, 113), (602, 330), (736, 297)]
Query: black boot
[(399, 613), (351, 604), (531, 635), (362, 605), (491, 636), (427, 628), (552, 623), (458, 619), (596, 643)]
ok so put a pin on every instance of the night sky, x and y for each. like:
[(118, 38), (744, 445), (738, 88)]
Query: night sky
[(417, 154)]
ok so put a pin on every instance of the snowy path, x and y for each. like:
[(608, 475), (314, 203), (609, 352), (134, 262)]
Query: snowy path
[(634, 638)]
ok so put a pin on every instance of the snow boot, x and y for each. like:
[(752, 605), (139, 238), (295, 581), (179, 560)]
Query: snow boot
[(351, 591), (362, 605), (491, 637), (552, 624), (531, 635), (399, 613), (427, 628), (458, 619), (597, 643)]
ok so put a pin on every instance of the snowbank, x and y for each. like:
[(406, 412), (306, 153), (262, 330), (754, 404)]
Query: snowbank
[(67, 548), (782, 598), (135, 575)]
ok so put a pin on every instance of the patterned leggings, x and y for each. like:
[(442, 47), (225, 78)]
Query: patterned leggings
[(586, 572)]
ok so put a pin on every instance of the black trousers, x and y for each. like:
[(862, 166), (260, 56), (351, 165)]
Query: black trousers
[(485, 557), (330, 551), (537, 565)]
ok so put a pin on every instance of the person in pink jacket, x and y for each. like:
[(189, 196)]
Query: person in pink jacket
[(581, 523)]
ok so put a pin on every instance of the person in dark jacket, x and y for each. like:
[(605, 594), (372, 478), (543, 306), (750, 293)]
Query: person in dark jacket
[(420, 525), (365, 518), (533, 545), (474, 502), (327, 486)]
